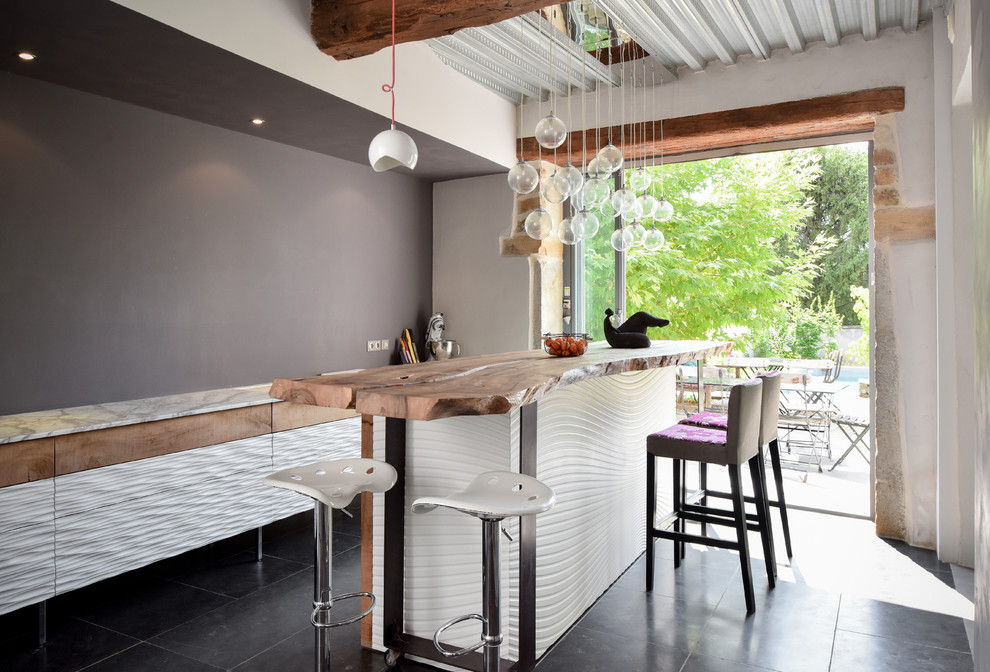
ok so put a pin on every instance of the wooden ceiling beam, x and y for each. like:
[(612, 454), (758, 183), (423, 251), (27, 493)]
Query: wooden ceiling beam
[(347, 29), (793, 120)]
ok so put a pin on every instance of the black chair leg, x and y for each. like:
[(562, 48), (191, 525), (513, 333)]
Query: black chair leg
[(678, 509), (703, 484), (763, 515), (651, 507), (778, 478), (739, 513)]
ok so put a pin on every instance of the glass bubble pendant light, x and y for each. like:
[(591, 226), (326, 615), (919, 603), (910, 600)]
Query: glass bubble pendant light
[(638, 231), (653, 240), (646, 205), (640, 179), (551, 132), (550, 192), (664, 210), (568, 232), (523, 178), (612, 155), (599, 167), (587, 223), (624, 200), (622, 239), (539, 224), (568, 180), (596, 191)]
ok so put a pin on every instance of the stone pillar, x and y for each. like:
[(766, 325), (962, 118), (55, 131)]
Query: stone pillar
[(546, 263)]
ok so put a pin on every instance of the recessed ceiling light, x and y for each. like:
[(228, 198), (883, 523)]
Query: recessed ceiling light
[(257, 121), (26, 56)]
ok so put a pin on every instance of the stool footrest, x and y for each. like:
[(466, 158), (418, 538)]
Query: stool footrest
[(468, 649), (325, 609)]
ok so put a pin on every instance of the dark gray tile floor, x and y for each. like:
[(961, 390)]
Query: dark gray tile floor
[(216, 608)]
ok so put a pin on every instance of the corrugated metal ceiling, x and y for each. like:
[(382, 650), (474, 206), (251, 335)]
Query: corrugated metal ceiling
[(513, 57)]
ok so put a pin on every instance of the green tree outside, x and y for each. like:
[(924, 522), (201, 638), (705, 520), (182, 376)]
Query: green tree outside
[(723, 265)]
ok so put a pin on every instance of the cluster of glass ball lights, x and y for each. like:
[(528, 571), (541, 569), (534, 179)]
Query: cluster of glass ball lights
[(590, 191)]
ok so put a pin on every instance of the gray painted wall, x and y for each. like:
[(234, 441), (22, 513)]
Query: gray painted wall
[(142, 254), (981, 225)]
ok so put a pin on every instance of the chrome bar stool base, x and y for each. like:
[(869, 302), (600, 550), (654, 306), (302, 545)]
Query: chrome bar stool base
[(492, 497), (332, 485)]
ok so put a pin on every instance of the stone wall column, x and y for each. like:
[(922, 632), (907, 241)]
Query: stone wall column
[(546, 262)]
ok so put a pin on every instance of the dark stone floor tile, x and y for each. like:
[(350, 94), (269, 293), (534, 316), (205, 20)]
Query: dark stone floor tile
[(791, 631), (871, 617), (697, 663), (148, 658), (854, 652), (299, 546), (588, 651), (297, 653), (650, 617), (71, 646), (922, 557), (702, 577), (237, 632), (241, 574), (141, 606)]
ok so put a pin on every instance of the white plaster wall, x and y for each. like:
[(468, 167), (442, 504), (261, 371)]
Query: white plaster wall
[(895, 58), (954, 269), (430, 96), (912, 268), (484, 296)]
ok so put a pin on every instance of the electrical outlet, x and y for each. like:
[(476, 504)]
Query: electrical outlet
[(374, 346), (386, 344)]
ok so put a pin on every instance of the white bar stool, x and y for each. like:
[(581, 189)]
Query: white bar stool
[(491, 496), (332, 484)]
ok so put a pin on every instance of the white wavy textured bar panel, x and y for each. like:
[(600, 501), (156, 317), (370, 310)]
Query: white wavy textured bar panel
[(27, 544), (106, 486), (327, 441), (591, 441), (443, 547), (202, 507)]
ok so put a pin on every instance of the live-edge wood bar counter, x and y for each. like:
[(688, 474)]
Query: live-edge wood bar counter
[(577, 423)]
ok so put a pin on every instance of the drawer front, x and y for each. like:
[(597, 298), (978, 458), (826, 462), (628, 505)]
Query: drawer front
[(27, 565), (98, 544), (328, 441), (108, 486), (26, 504)]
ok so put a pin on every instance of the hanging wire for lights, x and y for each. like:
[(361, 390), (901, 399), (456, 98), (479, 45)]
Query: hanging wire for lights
[(624, 199), (664, 210), (550, 130), (539, 223), (567, 179), (610, 156), (585, 221), (523, 178), (646, 203), (392, 148)]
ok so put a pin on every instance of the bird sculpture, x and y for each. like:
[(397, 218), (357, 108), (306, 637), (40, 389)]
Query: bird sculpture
[(632, 332)]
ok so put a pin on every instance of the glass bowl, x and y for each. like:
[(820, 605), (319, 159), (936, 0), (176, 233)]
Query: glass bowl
[(565, 345)]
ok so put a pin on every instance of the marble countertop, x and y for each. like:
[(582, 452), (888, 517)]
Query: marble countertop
[(41, 424)]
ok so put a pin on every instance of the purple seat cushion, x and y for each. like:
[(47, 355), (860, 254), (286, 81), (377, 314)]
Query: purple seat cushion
[(708, 419), (688, 442)]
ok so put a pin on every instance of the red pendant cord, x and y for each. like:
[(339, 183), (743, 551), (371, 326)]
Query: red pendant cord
[(388, 88)]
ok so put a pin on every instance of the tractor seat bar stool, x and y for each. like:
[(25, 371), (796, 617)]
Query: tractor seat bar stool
[(733, 447), (769, 415), (491, 496), (332, 484)]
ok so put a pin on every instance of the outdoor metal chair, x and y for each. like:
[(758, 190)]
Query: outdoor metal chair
[(856, 430)]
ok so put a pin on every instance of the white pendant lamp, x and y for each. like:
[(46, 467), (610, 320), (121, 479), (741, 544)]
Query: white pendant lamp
[(392, 148)]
